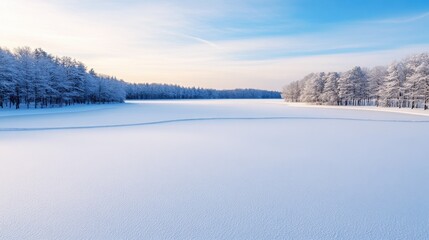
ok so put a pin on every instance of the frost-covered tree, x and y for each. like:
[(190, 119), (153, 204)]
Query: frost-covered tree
[(292, 91), (392, 89), (42, 78), (352, 87), (418, 85), (8, 76), (414, 86), (35, 78), (376, 77), (401, 84), (313, 88), (330, 90), (166, 91), (26, 76)]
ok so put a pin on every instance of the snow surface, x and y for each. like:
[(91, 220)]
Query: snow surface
[(213, 169), (415, 111)]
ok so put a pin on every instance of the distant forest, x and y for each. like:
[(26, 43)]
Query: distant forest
[(401, 84), (165, 91), (34, 78)]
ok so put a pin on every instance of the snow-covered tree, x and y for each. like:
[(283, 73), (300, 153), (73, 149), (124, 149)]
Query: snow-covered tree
[(292, 91), (26, 76), (313, 87), (330, 90), (352, 87), (35, 78), (165, 91), (401, 84), (392, 89), (418, 85), (376, 77), (8, 76)]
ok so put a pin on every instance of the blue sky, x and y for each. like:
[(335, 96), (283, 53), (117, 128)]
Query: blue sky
[(220, 44)]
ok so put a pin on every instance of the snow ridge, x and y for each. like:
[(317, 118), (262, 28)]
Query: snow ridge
[(206, 119)]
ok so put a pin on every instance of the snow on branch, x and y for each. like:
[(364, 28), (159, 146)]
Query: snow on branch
[(401, 84)]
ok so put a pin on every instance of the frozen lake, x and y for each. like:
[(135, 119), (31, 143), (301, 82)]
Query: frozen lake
[(213, 169)]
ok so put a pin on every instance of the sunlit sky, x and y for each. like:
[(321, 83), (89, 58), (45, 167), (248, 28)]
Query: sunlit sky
[(219, 44)]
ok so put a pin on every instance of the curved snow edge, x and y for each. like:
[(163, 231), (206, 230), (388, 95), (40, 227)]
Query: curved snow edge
[(205, 119), (418, 112)]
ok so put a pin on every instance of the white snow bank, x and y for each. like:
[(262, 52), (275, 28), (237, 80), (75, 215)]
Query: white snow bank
[(416, 111), (317, 176)]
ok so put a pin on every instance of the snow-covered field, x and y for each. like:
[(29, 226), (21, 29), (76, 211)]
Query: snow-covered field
[(213, 169)]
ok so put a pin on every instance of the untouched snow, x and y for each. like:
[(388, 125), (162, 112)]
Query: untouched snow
[(416, 111), (218, 169)]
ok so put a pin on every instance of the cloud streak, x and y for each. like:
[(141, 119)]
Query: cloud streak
[(407, 19)]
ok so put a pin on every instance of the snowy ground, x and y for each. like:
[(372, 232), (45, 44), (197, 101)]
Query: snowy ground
[(219, 169)]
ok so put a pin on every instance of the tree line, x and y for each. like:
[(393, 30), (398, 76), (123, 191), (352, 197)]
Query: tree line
[(403, 83), (166, 91), (34, 78), (38, 79)]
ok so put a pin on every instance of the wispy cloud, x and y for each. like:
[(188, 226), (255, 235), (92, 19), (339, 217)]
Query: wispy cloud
[(207, 42), (408, 19)]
